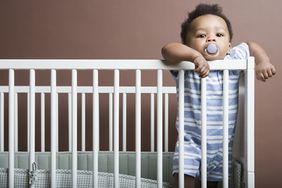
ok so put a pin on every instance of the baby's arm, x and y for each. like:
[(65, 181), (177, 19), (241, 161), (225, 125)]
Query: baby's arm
[(264, 69), (176, 52)]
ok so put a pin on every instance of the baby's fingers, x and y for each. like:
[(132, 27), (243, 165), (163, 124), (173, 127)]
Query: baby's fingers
[(260, 76), (273, 70), (203, 71)]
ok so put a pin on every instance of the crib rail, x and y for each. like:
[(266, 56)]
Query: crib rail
[(114, 94)]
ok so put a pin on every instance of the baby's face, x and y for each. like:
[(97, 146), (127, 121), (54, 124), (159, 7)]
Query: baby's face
[(209, 29)]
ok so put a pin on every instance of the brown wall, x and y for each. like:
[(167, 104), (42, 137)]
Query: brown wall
[(138, 29)]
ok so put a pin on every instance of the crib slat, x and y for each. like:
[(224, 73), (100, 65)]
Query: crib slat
[(57, 123), (16, 123), (166, 122), (28, 121), (152, 122), (1, 122), (95, 127), (225, 126), (160, 128), (124, 122), (204, 132), (116, 129), (70, 121), (110, 122), (138, 128), (42, 97), (32, 118), (249, 123), (83, 122), (11, 126), (53, 127), (181, 129), (74, 128)]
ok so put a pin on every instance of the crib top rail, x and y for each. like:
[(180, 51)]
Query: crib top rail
[(121, 64)]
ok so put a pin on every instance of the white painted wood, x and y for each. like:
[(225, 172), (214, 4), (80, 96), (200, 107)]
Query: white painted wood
[(112, 64), (152, 123), (116, 129), (249, 122), (2, 122), (11, 127), (124, 121), (28, 116), (70, 121), (42, 135), (138, 129), (32, 118), (204, 133), (88, 89), (110, 122), (83, 137), (181, 129), (160, 128), (96, 132), (225, 126), (74, 128), (53, 127), (115, 65), (166, 122), (16, 123)]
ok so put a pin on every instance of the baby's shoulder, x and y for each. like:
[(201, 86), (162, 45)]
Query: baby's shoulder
[(240, 51)]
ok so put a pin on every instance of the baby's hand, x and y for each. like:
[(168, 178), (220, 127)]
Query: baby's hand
[(201, 66), (264, 70)]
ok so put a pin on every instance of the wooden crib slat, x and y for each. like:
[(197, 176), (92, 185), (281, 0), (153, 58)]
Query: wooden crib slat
[(83, 122), (116, 128), (124, 122), (225, 126), (95, 127), (32, 118), (70, 121), (138, 128), (28, 122), (16, 123), (53, 127), (110, 122), (11, 126), (74, 128), (160, 127), (249, 123), (42, 135), (1, 122), (204, 132), (166, 122), (152, 123), (181, 129)]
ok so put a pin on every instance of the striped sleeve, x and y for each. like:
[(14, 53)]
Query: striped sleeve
[(240, 51)]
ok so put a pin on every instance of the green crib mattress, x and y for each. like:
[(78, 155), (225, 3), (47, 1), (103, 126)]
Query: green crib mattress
[(105, 168)]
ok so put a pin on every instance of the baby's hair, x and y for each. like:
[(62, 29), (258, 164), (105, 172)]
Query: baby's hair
[(200, 10)]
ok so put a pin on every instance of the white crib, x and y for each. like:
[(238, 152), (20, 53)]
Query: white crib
[(70, 165)]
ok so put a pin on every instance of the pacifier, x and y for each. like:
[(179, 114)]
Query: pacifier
[(212, 48)]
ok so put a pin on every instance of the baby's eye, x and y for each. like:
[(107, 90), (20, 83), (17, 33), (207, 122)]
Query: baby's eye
[(219, 35), (201, 36)]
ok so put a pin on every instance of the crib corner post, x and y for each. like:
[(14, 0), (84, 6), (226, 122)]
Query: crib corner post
[(249, 123)]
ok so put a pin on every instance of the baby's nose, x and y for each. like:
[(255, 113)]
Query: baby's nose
[(211, 39)]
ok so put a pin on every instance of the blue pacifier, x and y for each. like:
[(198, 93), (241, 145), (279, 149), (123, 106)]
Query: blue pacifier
[(212, 48)]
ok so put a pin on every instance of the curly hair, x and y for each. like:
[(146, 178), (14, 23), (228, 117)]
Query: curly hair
[(200, 10)]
